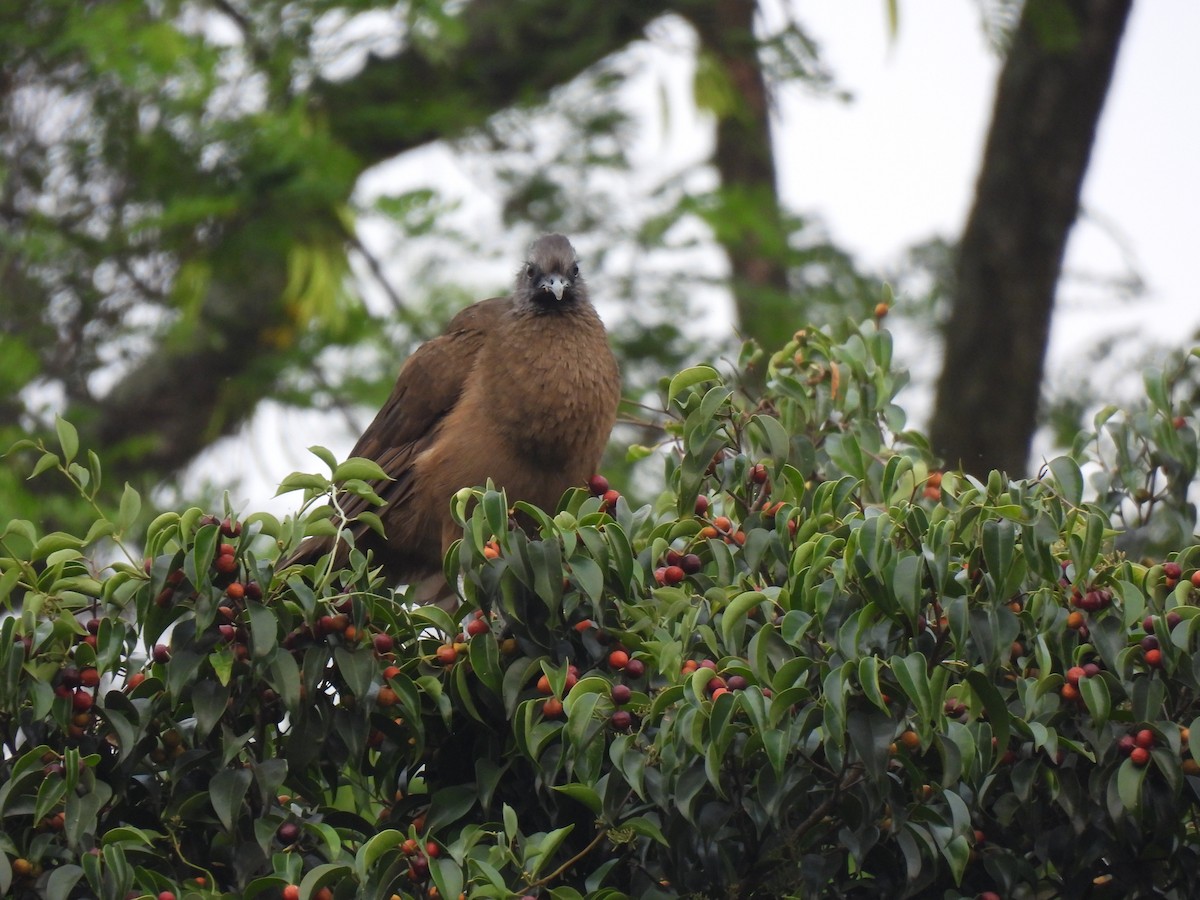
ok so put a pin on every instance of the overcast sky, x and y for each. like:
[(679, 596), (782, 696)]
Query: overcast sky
[(900, 162)]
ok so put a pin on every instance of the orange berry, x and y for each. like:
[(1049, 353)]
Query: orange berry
[(543, 685), (446, 654), (1075, 620), (910, 739), (618, 658), (552, 708), (1069, 692), (386, 697), (722, 523)]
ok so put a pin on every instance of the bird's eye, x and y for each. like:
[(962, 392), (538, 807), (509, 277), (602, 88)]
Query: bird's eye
[(575, 271)]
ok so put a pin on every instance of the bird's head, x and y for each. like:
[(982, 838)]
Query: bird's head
[(550, 277)]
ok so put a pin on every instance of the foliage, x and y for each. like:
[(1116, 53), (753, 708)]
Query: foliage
[(814, 667)]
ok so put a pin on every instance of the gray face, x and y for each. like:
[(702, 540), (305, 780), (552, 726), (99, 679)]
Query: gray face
[(551, 276)]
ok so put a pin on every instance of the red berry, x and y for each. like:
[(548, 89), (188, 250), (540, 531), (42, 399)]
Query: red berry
[(1125, 744), (1154, 658), (166, 895), (383, 643), (621, 694), (701, 505), (1140, 756), (1172, 570), (81, 701), (1144, 738), (610, 498), (291, 892), (478, 626), (162, 653), (226, 564), (673, 575), (446, 654), (552, 708), (635, 668), (690, 563), (598, 485), (621, 719), (1074, 674), (758, 474)]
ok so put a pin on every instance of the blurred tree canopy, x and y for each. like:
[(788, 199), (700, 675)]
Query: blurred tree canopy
[(182, 238)]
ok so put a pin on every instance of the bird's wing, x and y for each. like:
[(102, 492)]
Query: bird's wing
[(429, 385)]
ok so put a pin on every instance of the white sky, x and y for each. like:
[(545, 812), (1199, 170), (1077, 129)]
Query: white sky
[(898, 164)]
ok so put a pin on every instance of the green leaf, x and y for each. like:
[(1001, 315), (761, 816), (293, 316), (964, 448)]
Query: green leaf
[(209, 699), (263, 629), (689, 377), (302, 481), (68, 438), (583, 793), (1129, 784), (131, 505), (999, 544), (324, 872), (450, 804), (1068, 477), (226, 792), (1095, 696), (733, 618), (62, 881), (375, 847), (47, 461), (360, 468)]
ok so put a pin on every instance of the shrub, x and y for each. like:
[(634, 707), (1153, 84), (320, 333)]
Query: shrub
[(815, 666)]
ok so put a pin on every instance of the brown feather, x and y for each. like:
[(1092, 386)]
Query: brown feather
[(522, 390)]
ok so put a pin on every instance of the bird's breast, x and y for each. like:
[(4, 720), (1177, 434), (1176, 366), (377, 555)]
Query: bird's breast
[(560, 387)]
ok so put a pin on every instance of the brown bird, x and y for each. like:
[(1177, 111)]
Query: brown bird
[(520, 389)]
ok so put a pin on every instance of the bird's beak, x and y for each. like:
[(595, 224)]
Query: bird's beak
[(555, 284)]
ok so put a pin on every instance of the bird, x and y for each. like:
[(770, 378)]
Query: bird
[(520, 390)]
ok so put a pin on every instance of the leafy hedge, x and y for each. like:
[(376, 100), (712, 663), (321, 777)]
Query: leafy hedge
[(816, 666)]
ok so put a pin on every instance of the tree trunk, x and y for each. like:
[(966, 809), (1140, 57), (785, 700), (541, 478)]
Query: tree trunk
[(1048, 102), (747, 219)]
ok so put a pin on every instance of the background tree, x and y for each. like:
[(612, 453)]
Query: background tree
[(1052, 87)]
